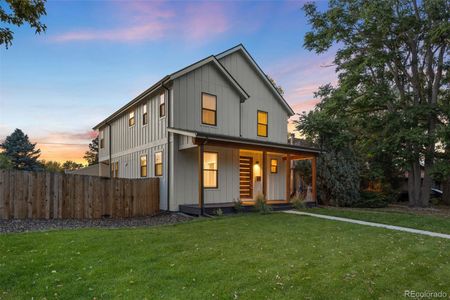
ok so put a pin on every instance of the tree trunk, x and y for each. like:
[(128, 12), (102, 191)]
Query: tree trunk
[(414, 184), (446, 190)]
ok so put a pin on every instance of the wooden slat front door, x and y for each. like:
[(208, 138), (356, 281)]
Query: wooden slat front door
[(246, 177)]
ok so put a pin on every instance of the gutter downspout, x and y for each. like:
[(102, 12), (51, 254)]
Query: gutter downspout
[(110, 147), (168, 145)]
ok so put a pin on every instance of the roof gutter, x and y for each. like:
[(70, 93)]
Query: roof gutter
[(133, 102)]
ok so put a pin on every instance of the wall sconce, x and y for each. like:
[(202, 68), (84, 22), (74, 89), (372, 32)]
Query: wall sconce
[(256, 169)]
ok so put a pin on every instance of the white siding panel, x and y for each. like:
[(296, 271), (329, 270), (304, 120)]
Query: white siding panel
[(261, 98), (187, 101)]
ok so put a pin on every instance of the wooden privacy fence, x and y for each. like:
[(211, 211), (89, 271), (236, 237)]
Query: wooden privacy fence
[(44, 195)]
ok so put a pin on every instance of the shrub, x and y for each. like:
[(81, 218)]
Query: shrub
[(298, 202), (371, 200), (238, 206), (218, 212), (261, 205), (338, 178)]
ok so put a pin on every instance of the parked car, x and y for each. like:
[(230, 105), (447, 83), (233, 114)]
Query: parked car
[(434, 193)]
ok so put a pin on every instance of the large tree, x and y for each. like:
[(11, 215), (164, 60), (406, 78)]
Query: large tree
[(91, 156), (18, 12), (392, 61), (69, 165), (22, 154)]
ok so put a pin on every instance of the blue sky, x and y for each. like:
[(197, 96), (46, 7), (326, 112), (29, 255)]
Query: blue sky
[(97, 55)]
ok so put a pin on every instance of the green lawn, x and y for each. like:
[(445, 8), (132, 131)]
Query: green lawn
[(425, 222), (275, 256)]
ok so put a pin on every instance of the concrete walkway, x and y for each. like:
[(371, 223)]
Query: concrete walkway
[(398, 228)]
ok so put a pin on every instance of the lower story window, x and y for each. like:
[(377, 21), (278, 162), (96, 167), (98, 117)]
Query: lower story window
[(115, 169), (210, 171), (158, 164), (143, 165), (273, 166)]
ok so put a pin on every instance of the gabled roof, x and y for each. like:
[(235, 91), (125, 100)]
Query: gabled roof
[(212, 59), (260, 72)]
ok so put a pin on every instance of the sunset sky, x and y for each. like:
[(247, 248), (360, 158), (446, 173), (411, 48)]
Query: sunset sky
[(97, 55)]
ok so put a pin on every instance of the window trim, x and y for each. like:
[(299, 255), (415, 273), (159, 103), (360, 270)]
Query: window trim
[(143, 166), (276, 165), (163, 105), (131, 118), (257, 123), (207, 109), (156, 164), (102, 139), (145, 114), (115, 169), (216, 170)]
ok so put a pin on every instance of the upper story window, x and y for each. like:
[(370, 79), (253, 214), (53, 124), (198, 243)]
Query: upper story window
[(143, 165), (263, 121), (144, 115), (162, 106), (102, 139), (158, 164), (210, 170), (131, 119), (273, 166), (209, 109)]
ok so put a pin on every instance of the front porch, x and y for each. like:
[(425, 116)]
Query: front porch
[(216, 171)]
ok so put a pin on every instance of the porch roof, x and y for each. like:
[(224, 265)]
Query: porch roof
[(245, 143)]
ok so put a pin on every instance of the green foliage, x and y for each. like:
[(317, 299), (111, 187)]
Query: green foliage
[(5, 162), (52, 166), (279, 88), (71, 165), (338, 178), (261, 204), (298, 202), (19, 12), (21, 152), (218, 212), (91, 156), (372, 200), (238, 206), (391, 104)]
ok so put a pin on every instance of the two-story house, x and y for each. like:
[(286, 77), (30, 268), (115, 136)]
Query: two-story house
[(214, 132)]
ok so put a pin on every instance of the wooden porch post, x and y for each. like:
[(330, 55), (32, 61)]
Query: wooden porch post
[(288, 177), (314, 177), (264, 174), (201, 190)]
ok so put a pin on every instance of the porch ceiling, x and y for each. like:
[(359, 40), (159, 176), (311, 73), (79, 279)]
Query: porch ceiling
[(204, 138)]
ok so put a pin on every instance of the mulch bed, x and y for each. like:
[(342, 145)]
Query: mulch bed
[(26, 225)]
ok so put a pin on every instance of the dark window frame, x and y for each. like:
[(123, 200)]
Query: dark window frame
[(207, 109), (102, 139), (143, 167), (213, 170), (157, 164), (144, 114), (131, 120), (266, 125), (162, 106), (272, 165)]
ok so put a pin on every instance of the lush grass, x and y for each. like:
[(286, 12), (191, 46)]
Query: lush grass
[(425, 222), (275, 256)]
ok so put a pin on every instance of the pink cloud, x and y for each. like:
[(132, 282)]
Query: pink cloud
[(149, 21), (150, 31), (206, 19), (305, 105)]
